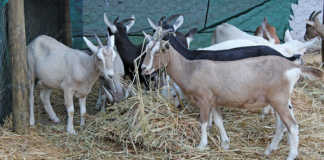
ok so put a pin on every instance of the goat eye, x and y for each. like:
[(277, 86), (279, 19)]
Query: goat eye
[(167, 46)]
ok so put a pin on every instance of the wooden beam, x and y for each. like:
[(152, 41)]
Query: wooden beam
[(17, 50), (322, 51), (67, 24)]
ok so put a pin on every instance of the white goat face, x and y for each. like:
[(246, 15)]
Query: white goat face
[(104, 56), (294, 47), (156, 55)]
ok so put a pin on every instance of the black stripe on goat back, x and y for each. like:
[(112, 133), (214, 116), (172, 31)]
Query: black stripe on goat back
[(225, 55)]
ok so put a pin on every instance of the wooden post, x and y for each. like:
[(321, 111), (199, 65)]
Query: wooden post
[(67, 24), (323, 39), (17, 50)]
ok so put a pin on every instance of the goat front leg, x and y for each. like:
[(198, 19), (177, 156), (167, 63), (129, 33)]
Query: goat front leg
[(83, 110), (68, 98), (31, 103), (204, 114)]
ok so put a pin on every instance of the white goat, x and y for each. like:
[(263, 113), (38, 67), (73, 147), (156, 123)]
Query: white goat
[(225, 32), (238, 38), (54, 65)]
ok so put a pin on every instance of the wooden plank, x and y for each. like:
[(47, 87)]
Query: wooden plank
[(322, 51), (17, 50), (67, 24)]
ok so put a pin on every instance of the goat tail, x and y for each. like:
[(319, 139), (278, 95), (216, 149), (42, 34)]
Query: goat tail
[(312, 73)]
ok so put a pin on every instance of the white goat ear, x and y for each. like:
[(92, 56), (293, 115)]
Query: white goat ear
[(178, 23), (130, 24), (111, 42), (311, 42), (288, 36), (109, 24), (155, 27), (310, 23), (149, 37), (91, 46)]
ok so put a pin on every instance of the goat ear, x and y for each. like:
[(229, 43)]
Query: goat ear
[(189, 36), (155, 27), (288, 36), (111, 41), (149, 37), (109, 24), (310, 23), (91, 46), (131, 23), (311, 42), (178, 23)]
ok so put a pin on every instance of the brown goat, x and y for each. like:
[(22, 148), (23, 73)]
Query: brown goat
[(267, 31), (314, 27), (248, 83)]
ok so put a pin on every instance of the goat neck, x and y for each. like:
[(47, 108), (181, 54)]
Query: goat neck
[(179, 67), (92, 72), (125, 45)]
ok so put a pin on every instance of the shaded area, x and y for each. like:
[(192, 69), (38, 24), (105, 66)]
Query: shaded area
[(5, 77)]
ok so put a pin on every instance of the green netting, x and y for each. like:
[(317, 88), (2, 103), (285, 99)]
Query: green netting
[(87, 15), (5, 92)]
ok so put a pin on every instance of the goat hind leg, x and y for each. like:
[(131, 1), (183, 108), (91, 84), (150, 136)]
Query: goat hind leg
[(82, 103), (203, 120), (218, 120), (280, 129), (45, 96), (287, 117)]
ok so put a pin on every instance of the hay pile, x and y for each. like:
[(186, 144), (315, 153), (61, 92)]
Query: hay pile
[(164, 131)]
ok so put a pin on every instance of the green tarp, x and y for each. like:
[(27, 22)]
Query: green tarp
[(87, 15)]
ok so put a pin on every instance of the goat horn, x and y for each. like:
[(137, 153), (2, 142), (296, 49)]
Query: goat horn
[(162, 19), (116, 20), (109, 96), (98, 40), (311, 15), (171, 18), (315, 15)]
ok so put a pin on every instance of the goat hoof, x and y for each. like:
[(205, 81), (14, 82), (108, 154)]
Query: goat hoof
[(72, 131), (267, 151), (202, 147), (32, 122), (56, 120), (225, 145)]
